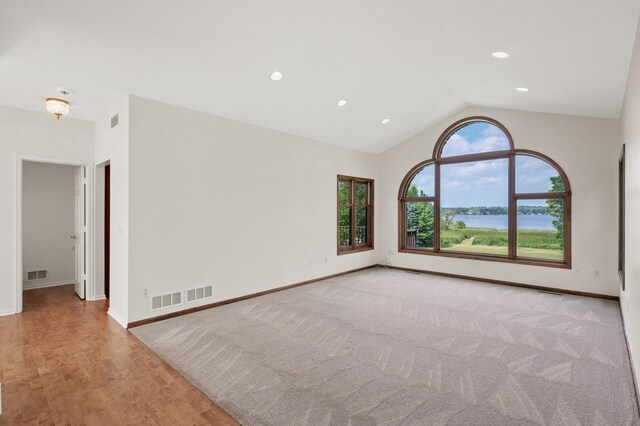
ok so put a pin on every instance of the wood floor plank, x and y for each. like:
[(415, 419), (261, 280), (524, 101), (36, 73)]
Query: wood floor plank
[(65, 361)]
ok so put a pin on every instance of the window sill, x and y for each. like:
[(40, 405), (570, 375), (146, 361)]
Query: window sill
[(491, 258), (342, 251)]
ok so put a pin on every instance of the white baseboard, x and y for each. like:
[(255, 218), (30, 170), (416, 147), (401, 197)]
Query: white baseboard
[(7, 312), (99, 297), (117, 317), (33, 286)]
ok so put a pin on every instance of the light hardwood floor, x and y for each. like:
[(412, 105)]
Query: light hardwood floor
[(65, 361)]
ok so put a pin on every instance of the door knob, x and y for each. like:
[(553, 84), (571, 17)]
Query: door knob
[(73, 236)]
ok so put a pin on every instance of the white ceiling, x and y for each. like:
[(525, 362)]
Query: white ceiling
[(414, 61)]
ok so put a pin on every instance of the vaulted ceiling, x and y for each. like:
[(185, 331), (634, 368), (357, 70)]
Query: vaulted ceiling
[(412, 61)]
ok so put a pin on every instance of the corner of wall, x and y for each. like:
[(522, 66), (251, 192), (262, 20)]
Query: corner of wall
[(120, 319), (112, 144), (630, 297)]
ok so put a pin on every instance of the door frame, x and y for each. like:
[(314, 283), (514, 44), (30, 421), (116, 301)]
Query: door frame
[(20, 159), (107, 230)]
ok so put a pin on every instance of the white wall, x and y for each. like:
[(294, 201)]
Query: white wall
[(106, 138), (230, 204), (112, 146), (31, 134), (587, 150), (48, 221), (630, 298), (186, 187)]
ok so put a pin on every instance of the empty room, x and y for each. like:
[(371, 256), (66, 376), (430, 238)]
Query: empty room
[(319, 212)]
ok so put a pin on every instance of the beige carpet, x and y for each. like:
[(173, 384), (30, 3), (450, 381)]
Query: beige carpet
[(390, 347)]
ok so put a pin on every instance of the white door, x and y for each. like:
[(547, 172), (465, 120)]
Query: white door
[(80, 235)]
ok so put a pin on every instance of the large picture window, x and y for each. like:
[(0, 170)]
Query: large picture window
[(355, 214), (480, 198)]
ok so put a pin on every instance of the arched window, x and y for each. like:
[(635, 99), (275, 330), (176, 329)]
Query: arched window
[(480, 198)]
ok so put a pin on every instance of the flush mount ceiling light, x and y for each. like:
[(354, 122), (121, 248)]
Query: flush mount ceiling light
[(57, 107), (276, 76), (500, 55), (342, 102), (385, 120), (522, 89)]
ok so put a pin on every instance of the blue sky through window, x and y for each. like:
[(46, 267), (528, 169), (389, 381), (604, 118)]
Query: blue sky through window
[(533, 175), (476, 184), (425, 181), (474, 138), (484, 183)]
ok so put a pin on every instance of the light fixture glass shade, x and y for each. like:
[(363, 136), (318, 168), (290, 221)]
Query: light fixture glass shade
[(57, 107)]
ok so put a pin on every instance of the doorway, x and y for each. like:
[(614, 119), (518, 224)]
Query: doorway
[(107, 229), (54, 227), (101, 278), (52, 232)]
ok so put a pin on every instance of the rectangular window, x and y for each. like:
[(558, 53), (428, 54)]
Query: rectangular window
[(419, 225), (474, 207), (540, 229), (355, 214)]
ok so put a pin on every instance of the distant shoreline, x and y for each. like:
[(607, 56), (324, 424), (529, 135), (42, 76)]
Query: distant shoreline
[(537, 222), (496, 210)]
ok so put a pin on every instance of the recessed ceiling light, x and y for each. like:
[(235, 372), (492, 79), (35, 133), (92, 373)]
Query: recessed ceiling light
[(342, 102), (522, 89), (500, 55), (385, 121), (276, 76)]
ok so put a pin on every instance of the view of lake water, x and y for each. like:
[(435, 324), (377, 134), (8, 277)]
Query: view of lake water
[(543, 222)]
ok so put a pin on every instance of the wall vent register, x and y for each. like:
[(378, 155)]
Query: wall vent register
[(36, 275), (195, 294), (177, 297), (166, 300)]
